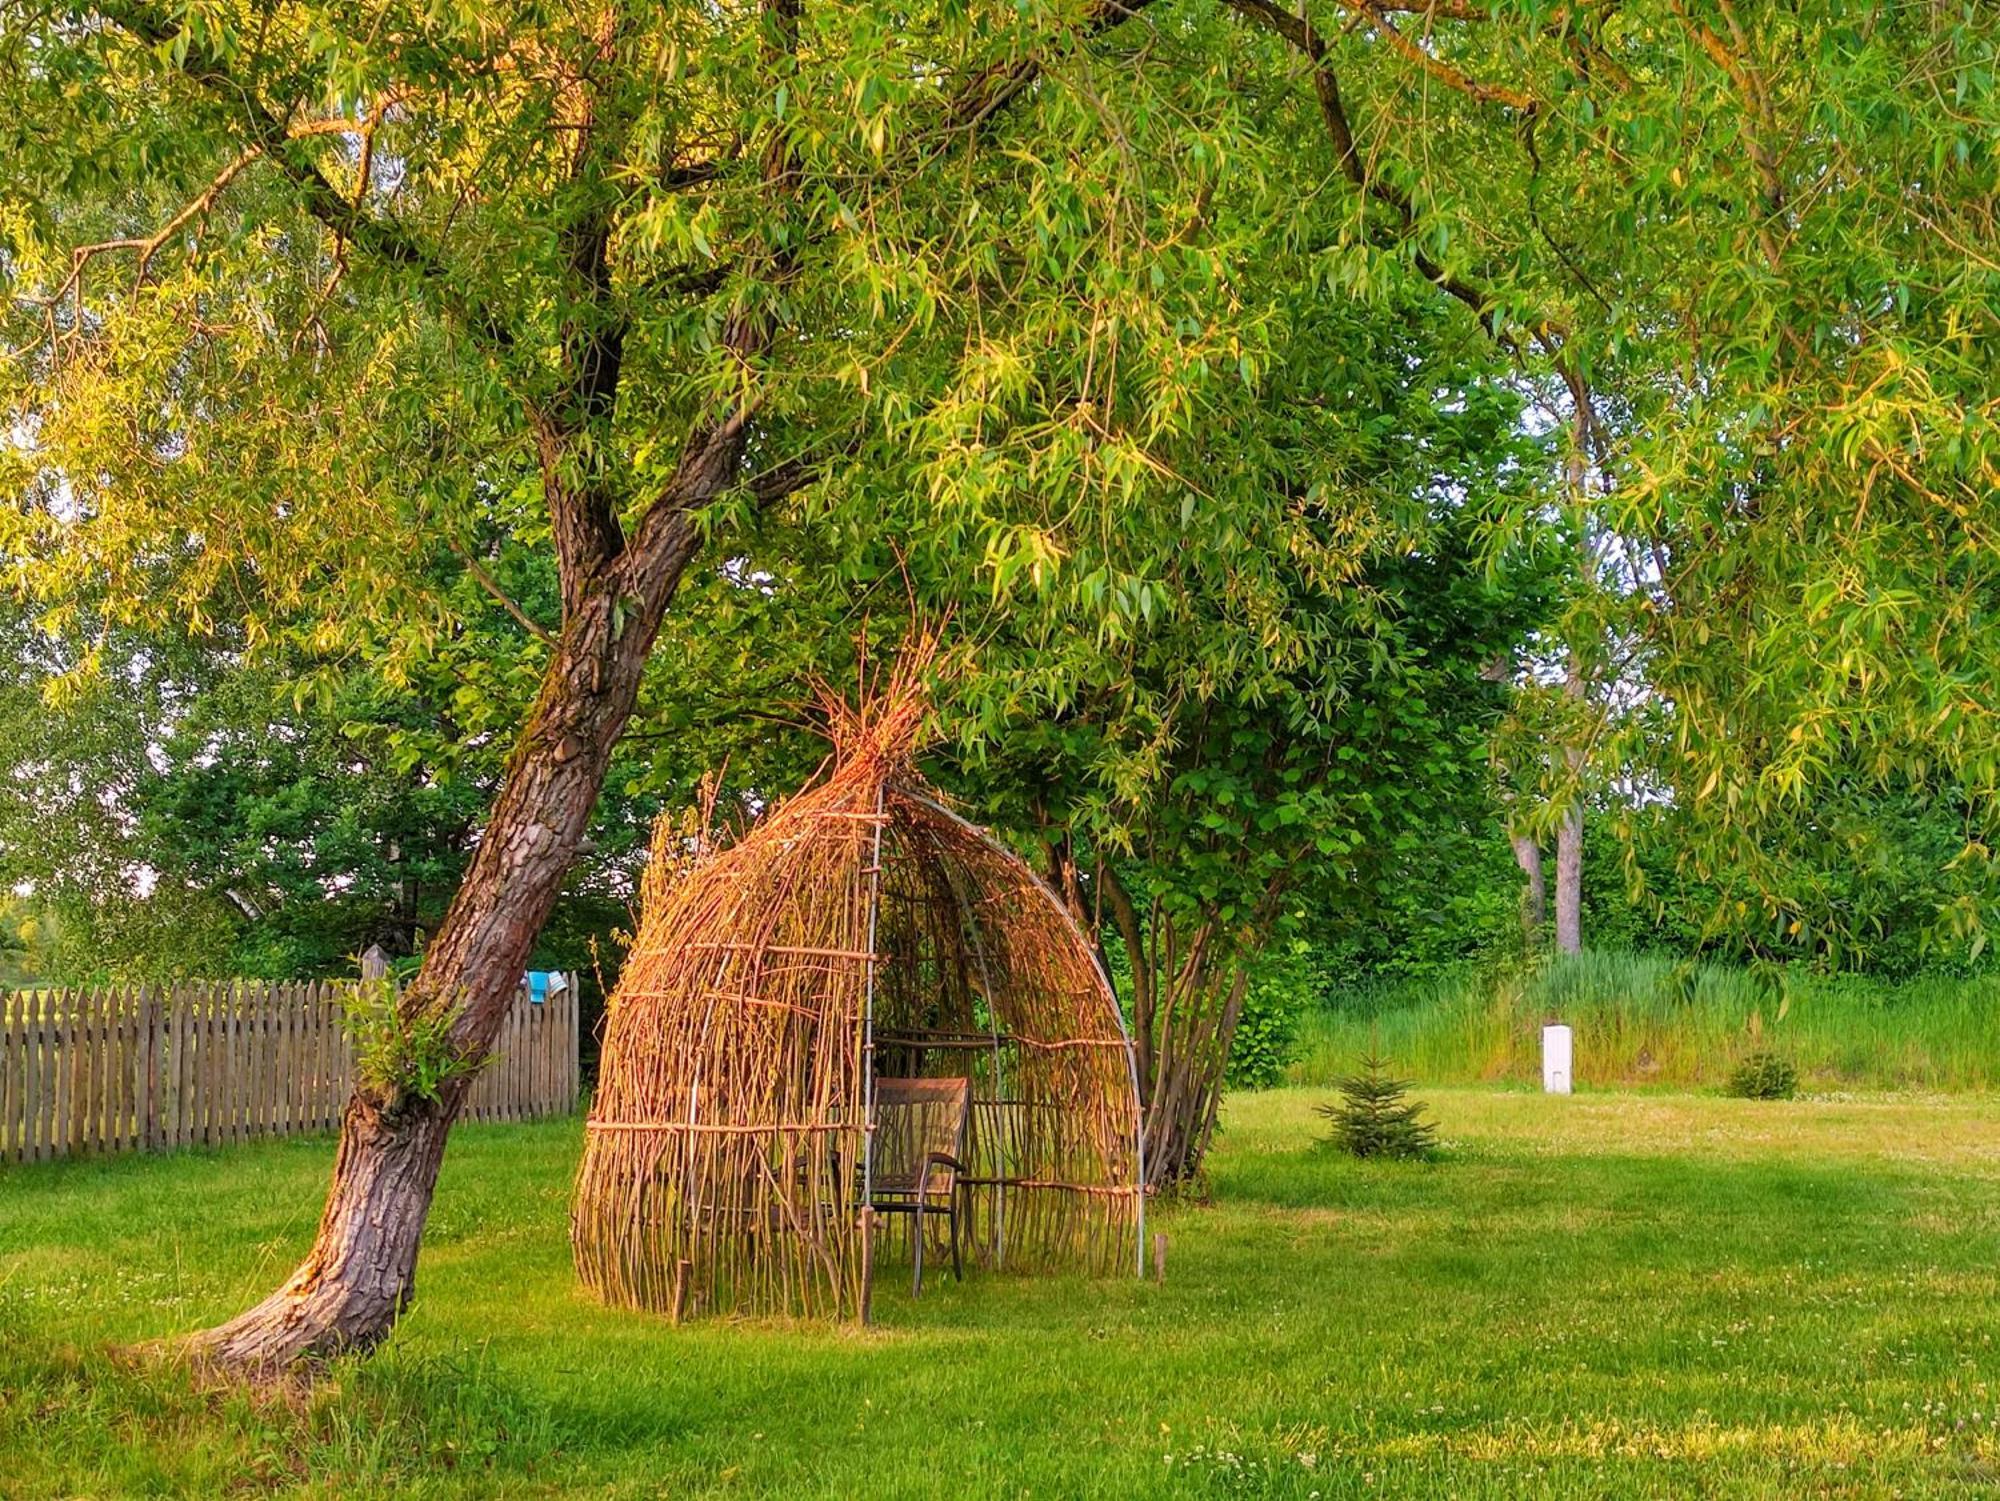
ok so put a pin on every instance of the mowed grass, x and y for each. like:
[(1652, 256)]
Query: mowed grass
[(1652, 1021), (1609, 1295)]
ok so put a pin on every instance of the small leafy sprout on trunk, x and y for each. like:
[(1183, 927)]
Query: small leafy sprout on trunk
[(1764, 1076), (401, 1057), (1375, 1117)]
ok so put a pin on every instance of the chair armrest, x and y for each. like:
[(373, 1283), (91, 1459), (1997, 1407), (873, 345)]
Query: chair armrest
[(931, 1160)]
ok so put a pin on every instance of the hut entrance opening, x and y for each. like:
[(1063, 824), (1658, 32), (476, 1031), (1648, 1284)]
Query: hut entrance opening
[(749, 1109)]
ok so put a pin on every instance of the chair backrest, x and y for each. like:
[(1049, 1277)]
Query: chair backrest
[(917, 1116)]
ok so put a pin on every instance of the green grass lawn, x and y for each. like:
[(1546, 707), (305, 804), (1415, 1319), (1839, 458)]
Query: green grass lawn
[(1611, 1295)]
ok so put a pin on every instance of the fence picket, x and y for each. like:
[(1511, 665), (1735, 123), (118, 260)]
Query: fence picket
[(333, 1091), (265, 1069), (517, 1072), (573, 1090), (54, 1074), (282, 1038), (12, 1111), (274, 1049), (253, 1062), (236, 1066), (183, 1006), (9, 1144), (32, 1090), (69, 1113), (545, 1031), (114, 1058), (80, 1085), (62, 1066), (517, 1045), (109, 1058), (208, 1057), (124, 1049), (322, 1056), (103, 1115)]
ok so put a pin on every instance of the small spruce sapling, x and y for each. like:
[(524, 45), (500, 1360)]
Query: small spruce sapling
[(1764, 1076), (1375, 1117)]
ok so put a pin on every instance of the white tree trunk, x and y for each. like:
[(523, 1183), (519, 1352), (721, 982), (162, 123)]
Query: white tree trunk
[(1569, 838), (1569, 882), (1534, 888)]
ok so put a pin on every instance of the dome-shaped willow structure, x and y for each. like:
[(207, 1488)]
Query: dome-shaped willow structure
[(861, 933)]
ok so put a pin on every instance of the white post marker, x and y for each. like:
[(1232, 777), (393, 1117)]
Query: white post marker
[(1555, 1059)]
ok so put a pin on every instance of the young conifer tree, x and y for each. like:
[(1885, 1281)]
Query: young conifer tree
[(1375, 1117)]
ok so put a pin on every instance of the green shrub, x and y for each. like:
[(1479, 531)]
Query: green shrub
[(1764, 1076), (1267, 1031), (1376, 1118)]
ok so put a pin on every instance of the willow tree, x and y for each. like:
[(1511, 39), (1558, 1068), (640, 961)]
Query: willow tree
[(1751, 248), (1222, 706), (301, 296), (297, 293)]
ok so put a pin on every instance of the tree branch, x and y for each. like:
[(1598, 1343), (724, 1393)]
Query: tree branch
[(1437, 67), (1305, 37), (1744, 79), (149, 245), (506, 601), (382, 239), (583, 507), (713, 452)]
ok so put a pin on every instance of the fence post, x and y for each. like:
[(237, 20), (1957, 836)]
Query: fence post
[(575, 1043), (10, 1095)]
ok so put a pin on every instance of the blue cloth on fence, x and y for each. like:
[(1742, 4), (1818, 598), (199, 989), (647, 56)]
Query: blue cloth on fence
[(543, 983)]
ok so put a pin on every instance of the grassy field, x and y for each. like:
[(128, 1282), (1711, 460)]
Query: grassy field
[(1642, 1020), (1611, 1295)]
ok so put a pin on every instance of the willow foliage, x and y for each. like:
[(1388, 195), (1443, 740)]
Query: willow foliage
[(1056, 296)]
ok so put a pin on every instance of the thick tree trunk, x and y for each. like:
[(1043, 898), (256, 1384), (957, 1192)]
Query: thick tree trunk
[(1180, 1117), (1569, 836), (1534, 889), (1569, 881), (361, 1271)]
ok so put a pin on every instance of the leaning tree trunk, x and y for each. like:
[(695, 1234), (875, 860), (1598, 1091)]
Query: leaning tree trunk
[(361, 1271)]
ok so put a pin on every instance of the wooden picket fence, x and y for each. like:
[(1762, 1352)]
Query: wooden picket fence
[(154, 1068)]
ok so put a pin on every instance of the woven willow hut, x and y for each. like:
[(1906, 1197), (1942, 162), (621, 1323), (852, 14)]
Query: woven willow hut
[(778, 994)]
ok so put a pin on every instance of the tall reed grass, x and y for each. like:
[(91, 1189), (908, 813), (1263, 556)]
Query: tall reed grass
[(1643, 1019)]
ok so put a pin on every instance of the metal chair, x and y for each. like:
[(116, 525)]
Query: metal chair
[(919, 1142)]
